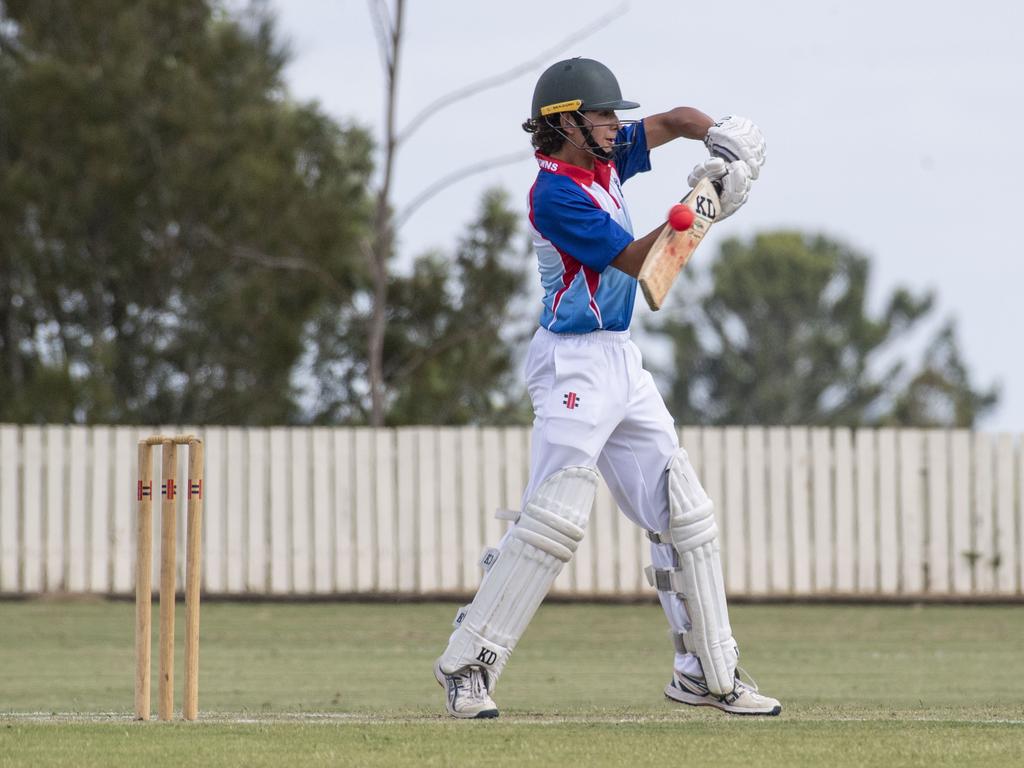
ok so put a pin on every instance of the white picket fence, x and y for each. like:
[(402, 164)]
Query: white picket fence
[(297, 511)]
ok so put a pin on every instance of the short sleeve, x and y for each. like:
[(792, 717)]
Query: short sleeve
[(570, 220), (635, 158)]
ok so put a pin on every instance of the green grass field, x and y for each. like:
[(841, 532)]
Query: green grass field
[(351, 684)]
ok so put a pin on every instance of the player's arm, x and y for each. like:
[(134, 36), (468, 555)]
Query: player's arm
[(574, 225), (731, 138), (631, 258), (678, 123)]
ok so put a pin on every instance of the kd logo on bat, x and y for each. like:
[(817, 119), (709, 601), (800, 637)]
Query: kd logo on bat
[(705, 207)]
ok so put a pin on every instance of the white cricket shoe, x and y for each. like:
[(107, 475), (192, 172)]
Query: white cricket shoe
[(467, 692), (743, 700)]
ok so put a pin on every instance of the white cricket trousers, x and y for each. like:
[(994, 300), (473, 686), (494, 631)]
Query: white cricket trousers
[(595, 405)]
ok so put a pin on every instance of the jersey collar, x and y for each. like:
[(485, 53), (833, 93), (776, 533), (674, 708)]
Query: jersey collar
[(601, 174)]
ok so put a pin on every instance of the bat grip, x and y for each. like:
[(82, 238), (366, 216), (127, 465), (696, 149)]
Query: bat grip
[(716, 183)]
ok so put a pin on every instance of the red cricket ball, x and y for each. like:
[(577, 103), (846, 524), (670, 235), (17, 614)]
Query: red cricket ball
[(680, 217)]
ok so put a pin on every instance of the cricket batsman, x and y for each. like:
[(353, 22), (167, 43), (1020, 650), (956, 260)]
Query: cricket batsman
[(595, 406)]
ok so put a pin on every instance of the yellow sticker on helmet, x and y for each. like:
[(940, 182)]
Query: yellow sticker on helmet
[(562, 106)]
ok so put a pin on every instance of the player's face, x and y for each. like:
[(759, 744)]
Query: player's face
[(603, 127)]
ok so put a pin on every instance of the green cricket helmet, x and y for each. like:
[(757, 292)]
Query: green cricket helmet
[(582, 85)]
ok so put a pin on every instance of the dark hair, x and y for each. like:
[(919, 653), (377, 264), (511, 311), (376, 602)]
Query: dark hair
[(545, 139)]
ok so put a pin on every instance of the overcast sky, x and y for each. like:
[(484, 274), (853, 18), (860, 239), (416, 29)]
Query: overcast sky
[(897, 127)]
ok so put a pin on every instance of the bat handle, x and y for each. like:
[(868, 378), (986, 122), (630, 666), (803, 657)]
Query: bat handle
[(717, 187), (716, 183)]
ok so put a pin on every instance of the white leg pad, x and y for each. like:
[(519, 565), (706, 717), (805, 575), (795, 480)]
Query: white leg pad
[(698, 579), (531, 556)]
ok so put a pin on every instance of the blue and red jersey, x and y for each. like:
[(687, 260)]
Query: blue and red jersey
[(579, 224)]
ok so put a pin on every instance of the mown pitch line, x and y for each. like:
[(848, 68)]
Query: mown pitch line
[(344, 718)]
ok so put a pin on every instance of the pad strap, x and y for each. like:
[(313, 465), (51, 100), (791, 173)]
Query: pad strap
[(672, 580), (665, 579), (679, 641), (662, 537)]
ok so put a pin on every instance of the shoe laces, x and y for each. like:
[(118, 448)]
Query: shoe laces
[(470, 681), (740, 674)]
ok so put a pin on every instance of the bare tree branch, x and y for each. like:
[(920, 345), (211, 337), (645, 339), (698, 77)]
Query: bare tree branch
[(495, 80), (385, 15), (284, 263), (403, 369), (456, 176), (383, 228), (383, 28)]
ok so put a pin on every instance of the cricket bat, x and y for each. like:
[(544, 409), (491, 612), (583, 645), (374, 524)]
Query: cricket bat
[(673, 248)]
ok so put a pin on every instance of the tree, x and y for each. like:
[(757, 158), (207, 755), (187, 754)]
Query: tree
[(170, 222), (783, 336), (451, 335), (940, 394)]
